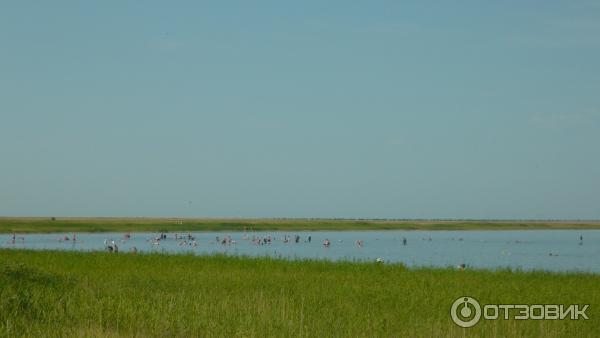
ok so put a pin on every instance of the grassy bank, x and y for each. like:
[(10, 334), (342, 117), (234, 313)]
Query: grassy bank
[(99, 294), (47, 224)]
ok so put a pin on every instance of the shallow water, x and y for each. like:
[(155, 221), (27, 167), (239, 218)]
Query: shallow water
[(525, 250)]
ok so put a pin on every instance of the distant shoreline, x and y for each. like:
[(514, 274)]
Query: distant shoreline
[(141, 224)]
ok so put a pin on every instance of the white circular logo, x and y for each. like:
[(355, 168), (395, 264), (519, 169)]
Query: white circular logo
[(469, 313)]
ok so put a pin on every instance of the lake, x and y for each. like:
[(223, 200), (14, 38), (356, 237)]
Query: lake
[(553, 250)]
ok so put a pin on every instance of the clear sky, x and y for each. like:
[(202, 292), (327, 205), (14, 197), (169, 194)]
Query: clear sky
[(376, 109)]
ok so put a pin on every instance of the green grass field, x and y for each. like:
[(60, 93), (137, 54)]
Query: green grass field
[(30, 225), (53, 293)]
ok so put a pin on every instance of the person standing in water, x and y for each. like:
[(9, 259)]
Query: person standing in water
[(404, 241)]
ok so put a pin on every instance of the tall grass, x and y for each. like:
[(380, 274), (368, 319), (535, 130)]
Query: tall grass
[(49, 293)]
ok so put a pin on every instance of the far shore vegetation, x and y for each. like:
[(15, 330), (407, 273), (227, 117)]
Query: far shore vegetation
[(60, 224)]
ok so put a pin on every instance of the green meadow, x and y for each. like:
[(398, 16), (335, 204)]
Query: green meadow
[(48, 224), (54, 293)]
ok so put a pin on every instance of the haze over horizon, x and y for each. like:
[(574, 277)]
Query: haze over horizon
[(384, 109)]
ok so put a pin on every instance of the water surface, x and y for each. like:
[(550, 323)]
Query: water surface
[(553, 250)]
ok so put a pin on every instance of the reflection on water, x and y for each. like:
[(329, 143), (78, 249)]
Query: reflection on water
[(555, 250)]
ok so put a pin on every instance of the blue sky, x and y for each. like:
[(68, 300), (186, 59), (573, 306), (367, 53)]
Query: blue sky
[(377, 109)]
